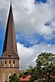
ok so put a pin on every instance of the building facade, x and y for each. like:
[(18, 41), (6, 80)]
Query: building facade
[(9, 60)]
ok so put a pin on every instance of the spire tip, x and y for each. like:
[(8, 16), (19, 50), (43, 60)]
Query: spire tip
[(11, 2)]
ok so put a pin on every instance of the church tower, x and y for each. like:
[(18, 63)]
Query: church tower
[(9, 61)]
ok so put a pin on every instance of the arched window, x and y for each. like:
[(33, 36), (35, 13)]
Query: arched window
[(8, 76), (9, 63), (3, 77), (0, 63), (5, 63), (13, 61)]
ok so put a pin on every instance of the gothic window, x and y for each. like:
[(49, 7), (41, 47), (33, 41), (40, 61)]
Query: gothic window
[(13, 61), (8, 76), (5, 61), (3, 77), (9, 62), (0, 63)]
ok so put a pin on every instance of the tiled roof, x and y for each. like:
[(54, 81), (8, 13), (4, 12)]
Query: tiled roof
[(53, 77), (27, 78)]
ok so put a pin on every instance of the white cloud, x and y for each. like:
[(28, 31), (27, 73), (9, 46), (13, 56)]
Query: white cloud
[(29, 55), (30, 17), (26, 56), (3, 11)]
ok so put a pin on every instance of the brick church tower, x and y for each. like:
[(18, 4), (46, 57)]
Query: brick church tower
[(9, 61)]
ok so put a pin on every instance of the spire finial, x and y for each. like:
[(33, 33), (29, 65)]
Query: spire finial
[(11, 2)]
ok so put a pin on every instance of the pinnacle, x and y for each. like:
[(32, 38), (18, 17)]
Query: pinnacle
[(10, 2)]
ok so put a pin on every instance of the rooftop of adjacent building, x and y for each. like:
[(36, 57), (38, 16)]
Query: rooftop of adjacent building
[(25, 79)]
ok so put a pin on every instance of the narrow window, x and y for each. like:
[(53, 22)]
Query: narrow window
[(9, 62), (8, 76), (5, 61), (13, 61)]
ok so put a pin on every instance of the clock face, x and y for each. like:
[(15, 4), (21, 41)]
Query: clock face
[(9, 55)]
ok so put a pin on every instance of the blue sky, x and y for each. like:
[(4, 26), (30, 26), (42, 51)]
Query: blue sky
[(34, 25), (44, 1)]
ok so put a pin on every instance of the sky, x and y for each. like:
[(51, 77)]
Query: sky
[(34, 22)]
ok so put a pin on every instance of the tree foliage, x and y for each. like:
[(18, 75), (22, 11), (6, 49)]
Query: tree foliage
[(45, 58), (39, 72), (14, 78)]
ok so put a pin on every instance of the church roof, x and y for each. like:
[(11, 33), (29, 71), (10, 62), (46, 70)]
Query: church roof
[(10, 46)]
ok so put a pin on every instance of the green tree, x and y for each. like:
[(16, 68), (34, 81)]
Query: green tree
[(42, 65), (14, 78), (45, 58), (38, 73), (26, 72)]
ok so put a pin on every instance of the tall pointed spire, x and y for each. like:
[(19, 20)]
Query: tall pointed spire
[(10, 40), (9, 61)]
